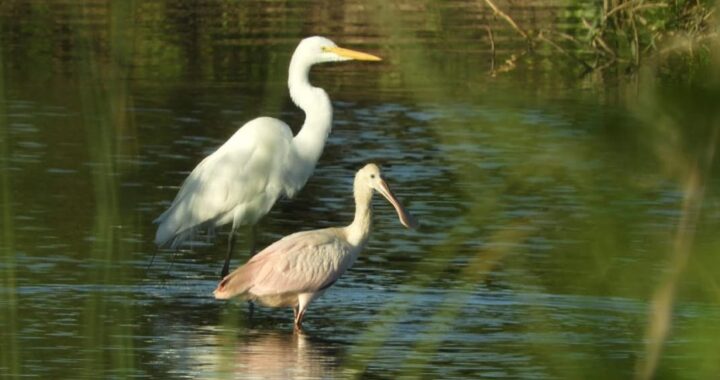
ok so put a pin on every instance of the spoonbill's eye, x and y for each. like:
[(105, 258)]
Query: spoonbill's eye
[(372, 176)]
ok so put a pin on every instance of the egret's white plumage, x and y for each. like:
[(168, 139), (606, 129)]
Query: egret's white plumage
[(300, 267), (242, 179)]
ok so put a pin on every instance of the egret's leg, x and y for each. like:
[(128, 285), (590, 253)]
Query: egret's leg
[(231, 243), (251, 305), (253, 240), (251, 308)]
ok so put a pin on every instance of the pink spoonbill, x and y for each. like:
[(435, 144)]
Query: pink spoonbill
[(298, 268), (240, 182)]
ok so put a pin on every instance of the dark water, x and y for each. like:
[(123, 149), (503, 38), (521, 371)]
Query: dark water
[(554, 206)]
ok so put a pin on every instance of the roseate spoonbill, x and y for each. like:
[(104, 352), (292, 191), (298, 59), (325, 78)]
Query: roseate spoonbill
[(298, 268), (242, 179)]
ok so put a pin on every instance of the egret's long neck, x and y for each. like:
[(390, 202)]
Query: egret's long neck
[(359, 230), (310, 141)]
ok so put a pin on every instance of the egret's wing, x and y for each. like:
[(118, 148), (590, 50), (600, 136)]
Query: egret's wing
[(247, 171), (303, 262), (249, 165)]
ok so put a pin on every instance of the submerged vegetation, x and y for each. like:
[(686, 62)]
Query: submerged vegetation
[(561, 154)]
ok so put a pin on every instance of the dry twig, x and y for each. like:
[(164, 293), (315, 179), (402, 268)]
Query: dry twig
[(507, 18), (492, 49)]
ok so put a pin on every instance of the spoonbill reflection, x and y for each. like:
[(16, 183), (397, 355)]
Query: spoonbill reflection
[(298, 268), (242, 179)]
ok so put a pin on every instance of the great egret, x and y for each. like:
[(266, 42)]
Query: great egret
[(298, 268), (242, 179)]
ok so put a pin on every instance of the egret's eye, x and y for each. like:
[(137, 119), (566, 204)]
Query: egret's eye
[(372, 176)]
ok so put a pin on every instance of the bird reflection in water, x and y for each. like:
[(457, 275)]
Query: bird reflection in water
[(271, 355)]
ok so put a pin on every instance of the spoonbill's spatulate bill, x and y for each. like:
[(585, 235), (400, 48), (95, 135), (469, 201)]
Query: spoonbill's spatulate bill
[(242, 179), (298, 268)]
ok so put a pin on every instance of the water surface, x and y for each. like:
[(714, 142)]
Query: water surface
[(553, 205)]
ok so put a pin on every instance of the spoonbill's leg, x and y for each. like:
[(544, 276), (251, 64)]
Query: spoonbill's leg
[(303, 303), (298, 320)]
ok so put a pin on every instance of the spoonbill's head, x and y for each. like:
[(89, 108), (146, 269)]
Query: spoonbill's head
[(320, 49), (370, 176)]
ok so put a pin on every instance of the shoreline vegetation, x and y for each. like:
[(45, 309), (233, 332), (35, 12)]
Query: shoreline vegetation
[(622, 33), (594, 36)]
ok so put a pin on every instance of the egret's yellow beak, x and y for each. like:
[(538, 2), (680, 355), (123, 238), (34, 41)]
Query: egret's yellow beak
[(352, 54)]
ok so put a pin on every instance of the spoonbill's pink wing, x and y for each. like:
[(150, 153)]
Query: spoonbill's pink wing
[(303, 262)]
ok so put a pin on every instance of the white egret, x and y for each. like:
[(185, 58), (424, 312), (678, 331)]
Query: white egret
[(298, 268), (243, 178)]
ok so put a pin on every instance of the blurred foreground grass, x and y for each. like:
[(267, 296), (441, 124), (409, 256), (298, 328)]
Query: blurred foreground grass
[(674, 97)]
